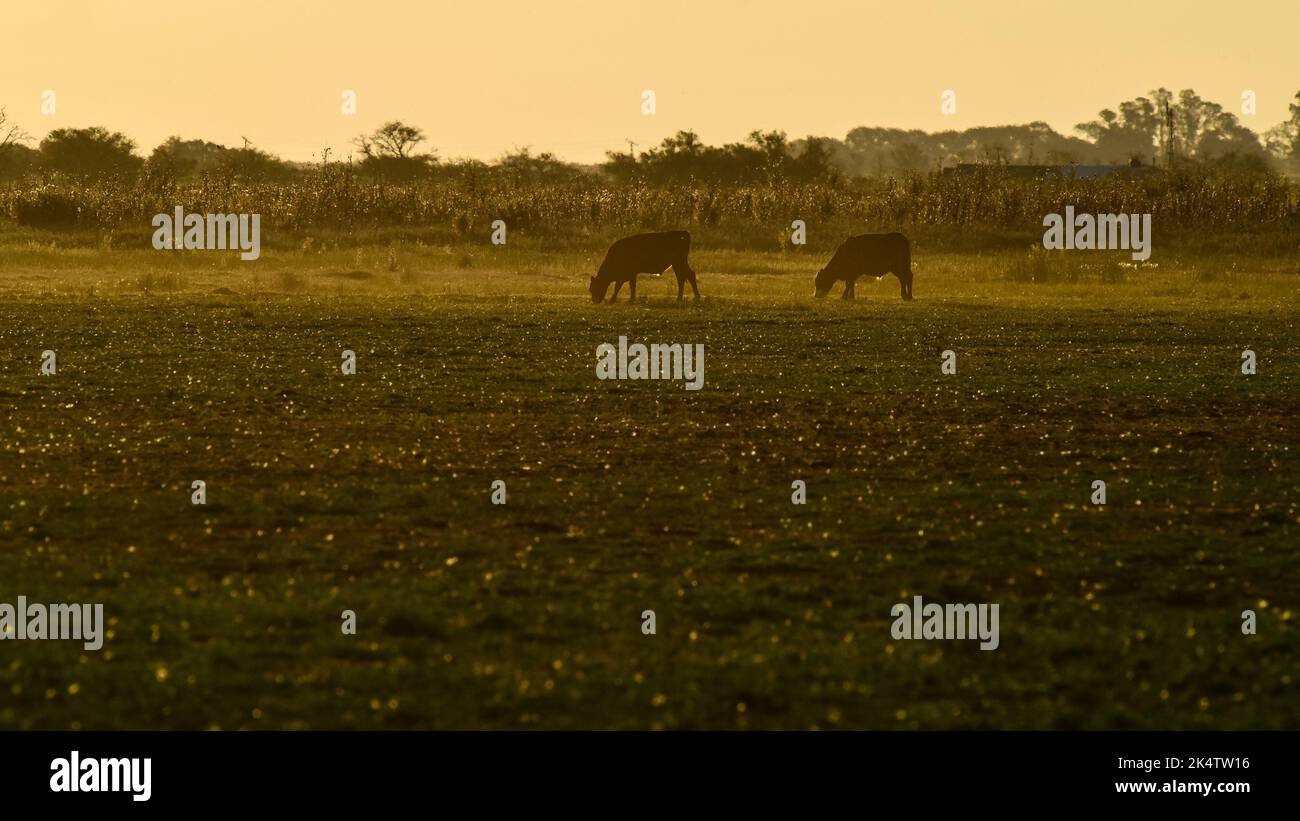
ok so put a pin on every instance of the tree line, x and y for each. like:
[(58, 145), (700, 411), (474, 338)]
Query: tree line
[(1158, 129)]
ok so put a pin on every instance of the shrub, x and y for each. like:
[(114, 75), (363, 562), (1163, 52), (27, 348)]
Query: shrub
[(45, 208)]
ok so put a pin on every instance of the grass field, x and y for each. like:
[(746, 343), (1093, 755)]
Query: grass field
[(370, 492)]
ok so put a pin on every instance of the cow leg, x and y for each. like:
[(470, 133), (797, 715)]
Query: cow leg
[(849, 292), (685, 273), (632, 284), (617, 286)]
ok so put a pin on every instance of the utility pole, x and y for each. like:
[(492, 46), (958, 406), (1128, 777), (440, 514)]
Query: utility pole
[(1169, 131)]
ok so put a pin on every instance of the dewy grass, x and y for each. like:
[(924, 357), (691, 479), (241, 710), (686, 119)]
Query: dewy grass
[(371, 492)]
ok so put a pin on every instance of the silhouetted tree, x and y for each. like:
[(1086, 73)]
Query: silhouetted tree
[(1202, 130), (16, 159), (1135, 131), (1283, 139), (392, 139), (89, 152), (388, 151), (523, 166), (1208, 132), (10, 134), (188, 158), (813, 160)]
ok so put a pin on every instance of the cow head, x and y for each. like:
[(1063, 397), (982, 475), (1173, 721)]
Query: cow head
[(823, 283), (597, 290), (905, 284)]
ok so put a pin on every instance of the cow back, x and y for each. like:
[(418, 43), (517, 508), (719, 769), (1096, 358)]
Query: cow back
[(646, 253), (872, 254)]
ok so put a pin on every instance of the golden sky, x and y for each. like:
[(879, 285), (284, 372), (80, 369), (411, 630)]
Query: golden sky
[(486, 76)]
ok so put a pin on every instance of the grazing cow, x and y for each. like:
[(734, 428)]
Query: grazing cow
[(873, 254), (644, 254)]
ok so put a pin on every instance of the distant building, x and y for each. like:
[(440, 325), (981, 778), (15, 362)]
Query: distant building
[(1072, 172)]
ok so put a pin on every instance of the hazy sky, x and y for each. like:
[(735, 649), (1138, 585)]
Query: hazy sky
[(486, 76)]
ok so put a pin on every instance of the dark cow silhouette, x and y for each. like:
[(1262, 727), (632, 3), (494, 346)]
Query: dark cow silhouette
[(872, 254), (644, 254)]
